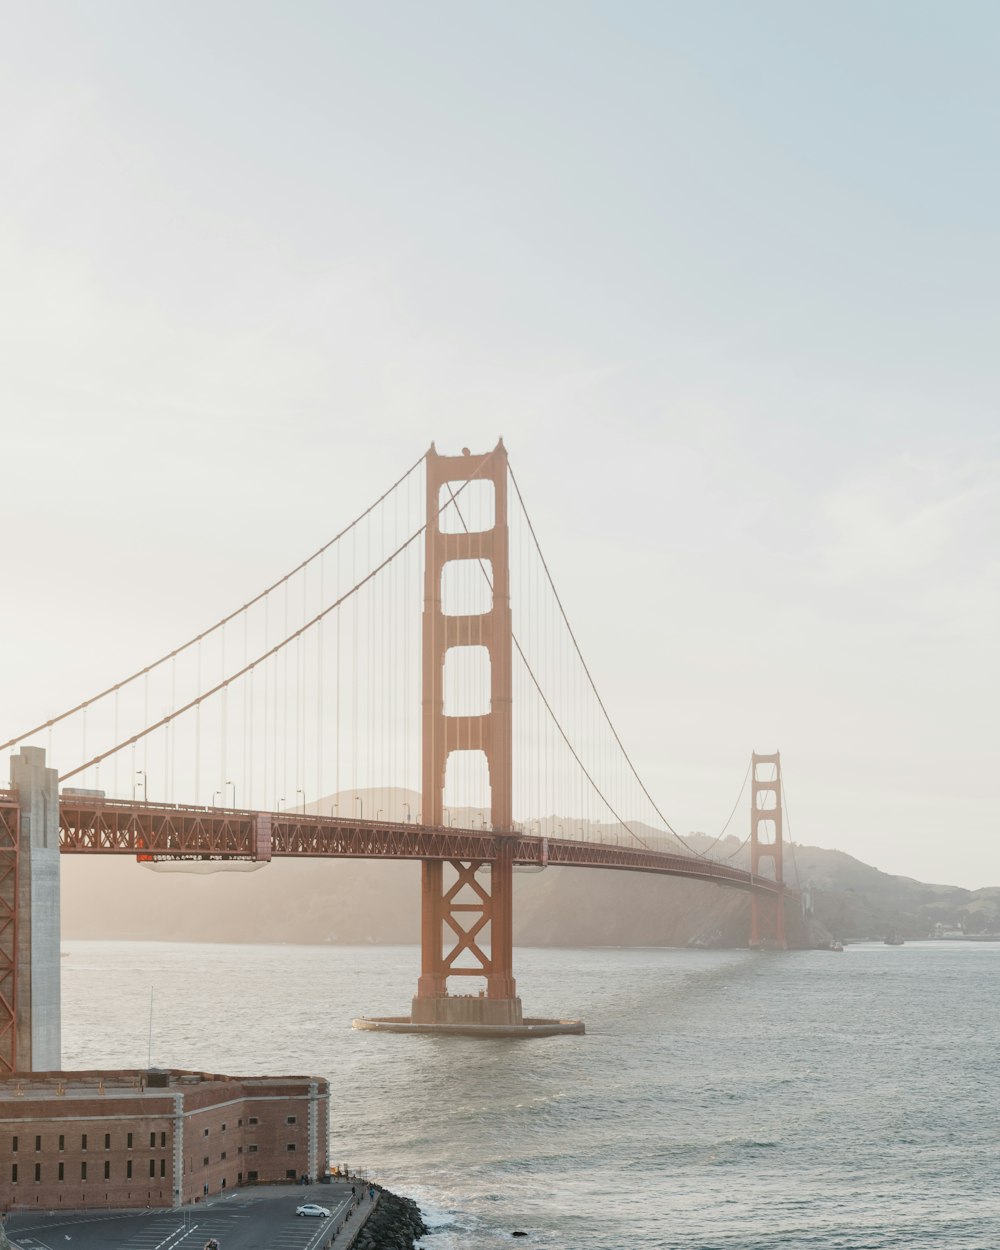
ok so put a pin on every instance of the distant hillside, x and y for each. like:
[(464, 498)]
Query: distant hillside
[(365, 901)]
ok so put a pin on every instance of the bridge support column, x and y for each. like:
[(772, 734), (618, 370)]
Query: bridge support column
[(767, 910), (474, 908), (467, 906), (38, 1033), (477, 904)]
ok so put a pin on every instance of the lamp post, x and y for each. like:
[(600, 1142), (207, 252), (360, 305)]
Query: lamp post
[(233, 784), (407, 806), (303, 793), (361, 806), (140, 773), (216, 795)]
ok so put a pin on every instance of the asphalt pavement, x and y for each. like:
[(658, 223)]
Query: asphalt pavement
[(260, 1218)]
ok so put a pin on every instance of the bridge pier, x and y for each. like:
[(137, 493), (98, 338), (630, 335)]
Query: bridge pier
[(37, 954)]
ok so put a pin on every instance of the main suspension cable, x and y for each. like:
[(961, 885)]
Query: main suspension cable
[(576, 646), (719, 836), (170, 655), (248, 668), (541, 693)]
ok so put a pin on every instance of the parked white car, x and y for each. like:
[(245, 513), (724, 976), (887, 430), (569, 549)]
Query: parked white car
[(313, 1208)]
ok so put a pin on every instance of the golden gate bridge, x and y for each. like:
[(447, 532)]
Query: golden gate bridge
[(322, 686)]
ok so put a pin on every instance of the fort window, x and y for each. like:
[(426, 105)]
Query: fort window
[(290, 1146), (152, 1167), (14, 1147), (128, 1170), (129, 1141), (290, 1119), (152, 1139), (38, 1172), (163, 1140), (204, 1162), (107, 1141), (62, 1171), (107, 1169), (13, 1173), (163, 1167), (251, 1150), (38, 1143), (62, 1141), (83, 1142), (253, 1120), (83, 1171)]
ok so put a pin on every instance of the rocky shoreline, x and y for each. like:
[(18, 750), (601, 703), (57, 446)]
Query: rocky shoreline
[(395, 1224)]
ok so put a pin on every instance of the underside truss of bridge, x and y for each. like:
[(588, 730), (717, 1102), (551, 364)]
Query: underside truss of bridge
[(173, 833)]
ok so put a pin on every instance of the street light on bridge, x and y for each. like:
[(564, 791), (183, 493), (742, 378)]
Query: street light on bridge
[(407, 806), (233, 784), (361, 805), (139, 772)]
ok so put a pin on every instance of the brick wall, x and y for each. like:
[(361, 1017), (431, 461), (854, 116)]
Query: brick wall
[(117, 1149)]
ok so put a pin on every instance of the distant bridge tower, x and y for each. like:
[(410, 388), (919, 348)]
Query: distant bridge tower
[(460, 916), (767, 910)]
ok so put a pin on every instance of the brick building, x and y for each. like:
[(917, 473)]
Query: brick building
[(154, 1138)]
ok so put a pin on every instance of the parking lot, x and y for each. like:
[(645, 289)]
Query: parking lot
[(261, 1218)]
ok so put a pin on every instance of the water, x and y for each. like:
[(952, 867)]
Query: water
[(719, 1099)]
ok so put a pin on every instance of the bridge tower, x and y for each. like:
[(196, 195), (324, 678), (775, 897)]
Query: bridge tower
[(767, 910), (461, 909), (30, 1038)]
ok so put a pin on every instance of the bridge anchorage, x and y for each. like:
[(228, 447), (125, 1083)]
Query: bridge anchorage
[(276, 697)]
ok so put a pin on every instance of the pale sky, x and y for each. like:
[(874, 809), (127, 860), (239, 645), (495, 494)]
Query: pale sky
[(723, 275)]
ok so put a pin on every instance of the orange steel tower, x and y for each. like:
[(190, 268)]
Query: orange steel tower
[(767, 911), (460, 918)]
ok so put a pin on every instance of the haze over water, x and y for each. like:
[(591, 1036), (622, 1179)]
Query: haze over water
[(719, 1100)]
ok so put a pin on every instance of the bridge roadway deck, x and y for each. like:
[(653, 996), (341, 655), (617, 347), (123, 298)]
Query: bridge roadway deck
[(90, 826)]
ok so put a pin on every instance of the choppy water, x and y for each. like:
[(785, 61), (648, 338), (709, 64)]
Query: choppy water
[(719, 1099)]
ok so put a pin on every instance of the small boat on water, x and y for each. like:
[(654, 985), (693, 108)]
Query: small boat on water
[(892, 939)]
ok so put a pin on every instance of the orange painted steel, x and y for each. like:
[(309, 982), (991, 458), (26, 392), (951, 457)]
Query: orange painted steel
[(173, 832), (9, 882), (454, 914), (767, 911)]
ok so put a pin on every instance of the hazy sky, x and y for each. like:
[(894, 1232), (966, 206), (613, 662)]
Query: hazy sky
[(724, 275)]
